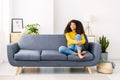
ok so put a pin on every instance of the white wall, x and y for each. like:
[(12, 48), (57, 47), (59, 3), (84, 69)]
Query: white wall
[(105, 12), (35, 11)]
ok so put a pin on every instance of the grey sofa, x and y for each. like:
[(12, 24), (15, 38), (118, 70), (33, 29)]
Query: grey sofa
[(42, 51)]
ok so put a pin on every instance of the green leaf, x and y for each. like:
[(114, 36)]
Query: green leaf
[(32, 28), (104, 43)]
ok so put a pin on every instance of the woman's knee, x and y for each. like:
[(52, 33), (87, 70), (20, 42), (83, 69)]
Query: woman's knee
[(78, 37), (62, 48)]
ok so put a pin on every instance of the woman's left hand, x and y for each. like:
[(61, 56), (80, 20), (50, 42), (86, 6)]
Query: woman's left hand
[(79, 43)]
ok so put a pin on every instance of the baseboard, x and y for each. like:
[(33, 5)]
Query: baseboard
[(1, 61), (111, 59)]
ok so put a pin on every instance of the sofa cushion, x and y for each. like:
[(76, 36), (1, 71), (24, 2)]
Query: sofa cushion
[(52, 55), (41, 42), (27, 55), (88, 56)]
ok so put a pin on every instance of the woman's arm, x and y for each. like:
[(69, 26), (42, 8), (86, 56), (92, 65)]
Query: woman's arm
[(83, 41), (70, 40)]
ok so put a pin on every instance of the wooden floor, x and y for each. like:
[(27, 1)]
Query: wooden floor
[(8, 70), (54, 77)]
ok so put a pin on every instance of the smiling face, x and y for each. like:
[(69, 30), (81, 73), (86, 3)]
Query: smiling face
[(73, 26)]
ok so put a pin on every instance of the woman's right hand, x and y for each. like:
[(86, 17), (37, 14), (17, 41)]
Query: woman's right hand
[(79, 43)]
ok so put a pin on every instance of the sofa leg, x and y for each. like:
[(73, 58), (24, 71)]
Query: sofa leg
[(89, 70), (18, 69)]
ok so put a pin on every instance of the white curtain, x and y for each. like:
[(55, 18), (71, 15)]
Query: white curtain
[(4, 28), (0, 31)]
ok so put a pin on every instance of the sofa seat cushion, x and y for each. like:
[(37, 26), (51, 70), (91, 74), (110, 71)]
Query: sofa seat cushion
[(52, 55), (88, 56), (27, 55)]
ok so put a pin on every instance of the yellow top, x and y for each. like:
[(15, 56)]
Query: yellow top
[(70, 36)]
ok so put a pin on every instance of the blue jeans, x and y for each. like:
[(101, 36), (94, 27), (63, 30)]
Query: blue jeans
[(70, 50)]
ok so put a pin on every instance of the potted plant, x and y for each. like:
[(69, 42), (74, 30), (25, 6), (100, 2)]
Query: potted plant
[(104, 45), (31, 29)]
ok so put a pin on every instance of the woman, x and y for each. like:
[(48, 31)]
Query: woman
[(75, 36)]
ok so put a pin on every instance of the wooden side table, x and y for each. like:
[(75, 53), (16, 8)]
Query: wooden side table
[(14, 37), (91, 38)]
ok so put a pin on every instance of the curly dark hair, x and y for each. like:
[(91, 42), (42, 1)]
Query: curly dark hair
[(79, 27)]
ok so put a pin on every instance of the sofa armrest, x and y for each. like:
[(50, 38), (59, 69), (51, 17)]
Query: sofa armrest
[(11, 50), (95, 49)]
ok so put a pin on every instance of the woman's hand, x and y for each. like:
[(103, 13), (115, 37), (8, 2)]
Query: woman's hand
[(79, 43)]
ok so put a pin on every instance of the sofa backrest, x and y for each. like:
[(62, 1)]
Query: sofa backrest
[(42, 42)]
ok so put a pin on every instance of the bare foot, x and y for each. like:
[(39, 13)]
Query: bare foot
[(80, 56), (84, 52)]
